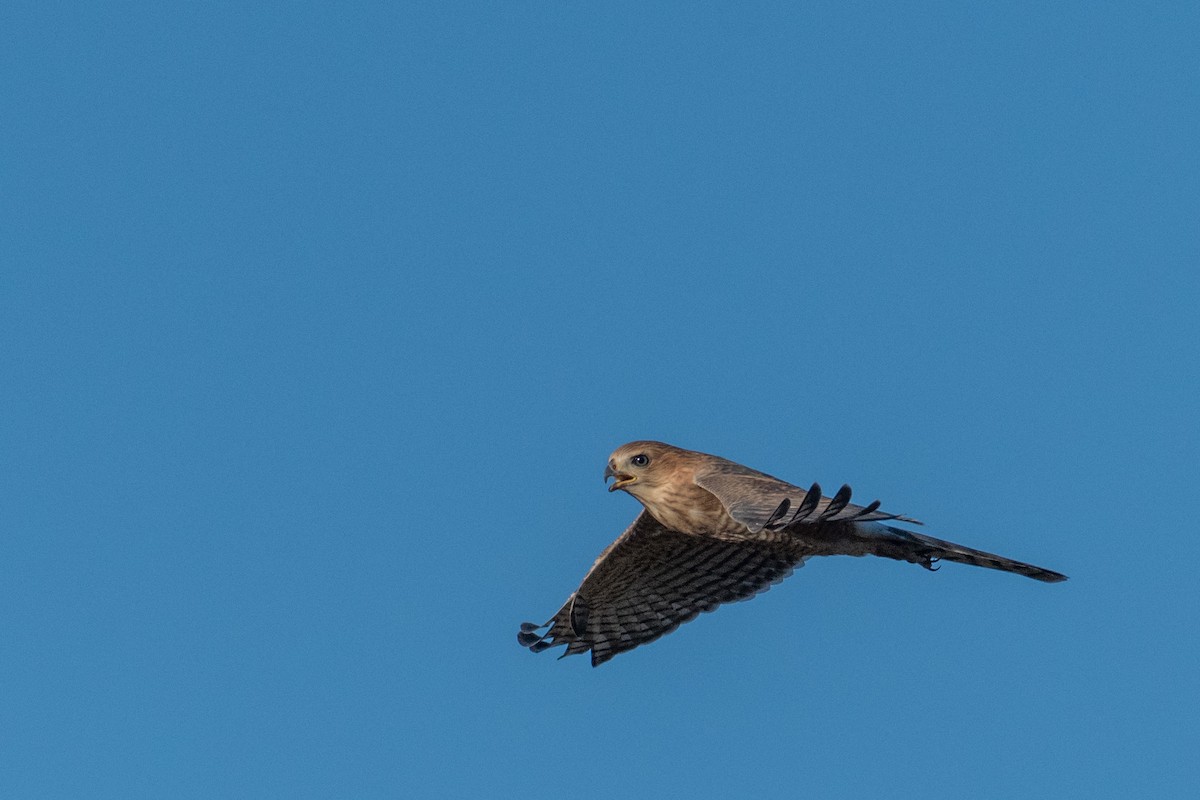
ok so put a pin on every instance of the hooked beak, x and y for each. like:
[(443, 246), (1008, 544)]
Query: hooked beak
[(622, 479)]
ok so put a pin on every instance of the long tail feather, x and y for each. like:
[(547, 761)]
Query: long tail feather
[(925, 550)]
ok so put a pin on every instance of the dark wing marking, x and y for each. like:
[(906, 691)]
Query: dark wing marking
[(838, 504), (811, 498), (651, 580), (759, 501)]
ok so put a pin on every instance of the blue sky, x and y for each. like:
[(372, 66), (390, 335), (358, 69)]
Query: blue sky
[(318, 324)]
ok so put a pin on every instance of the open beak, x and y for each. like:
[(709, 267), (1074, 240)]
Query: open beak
[(622, 479)]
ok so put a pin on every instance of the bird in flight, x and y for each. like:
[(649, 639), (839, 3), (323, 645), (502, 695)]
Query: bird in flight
[(713, 531)]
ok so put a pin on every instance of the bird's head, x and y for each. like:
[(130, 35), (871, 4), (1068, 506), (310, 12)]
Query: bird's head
[(639, 467)]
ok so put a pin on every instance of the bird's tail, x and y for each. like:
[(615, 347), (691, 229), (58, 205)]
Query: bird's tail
[(925, 550)]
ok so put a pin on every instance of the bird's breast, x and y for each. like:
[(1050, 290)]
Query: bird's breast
[(689, 509)]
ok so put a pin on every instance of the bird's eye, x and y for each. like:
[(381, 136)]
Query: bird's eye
[(640, 460)]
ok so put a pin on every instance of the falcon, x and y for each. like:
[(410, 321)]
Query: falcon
[(713, 531)]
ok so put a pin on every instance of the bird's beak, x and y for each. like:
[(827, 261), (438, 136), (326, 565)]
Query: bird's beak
[(622, 479)]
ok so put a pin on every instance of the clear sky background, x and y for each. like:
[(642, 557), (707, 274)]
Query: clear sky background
[(319, 323)]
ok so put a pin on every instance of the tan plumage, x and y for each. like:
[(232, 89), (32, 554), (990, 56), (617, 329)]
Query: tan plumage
[(713, 531)]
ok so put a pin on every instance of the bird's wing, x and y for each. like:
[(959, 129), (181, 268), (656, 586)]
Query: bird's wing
[(759, 501), (651, 580)]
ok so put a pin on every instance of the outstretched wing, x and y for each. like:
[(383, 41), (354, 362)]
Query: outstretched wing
[(651, 580), (759, 501)]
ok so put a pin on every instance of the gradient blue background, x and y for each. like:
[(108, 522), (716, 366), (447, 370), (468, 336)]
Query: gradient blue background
[(319, 323)]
